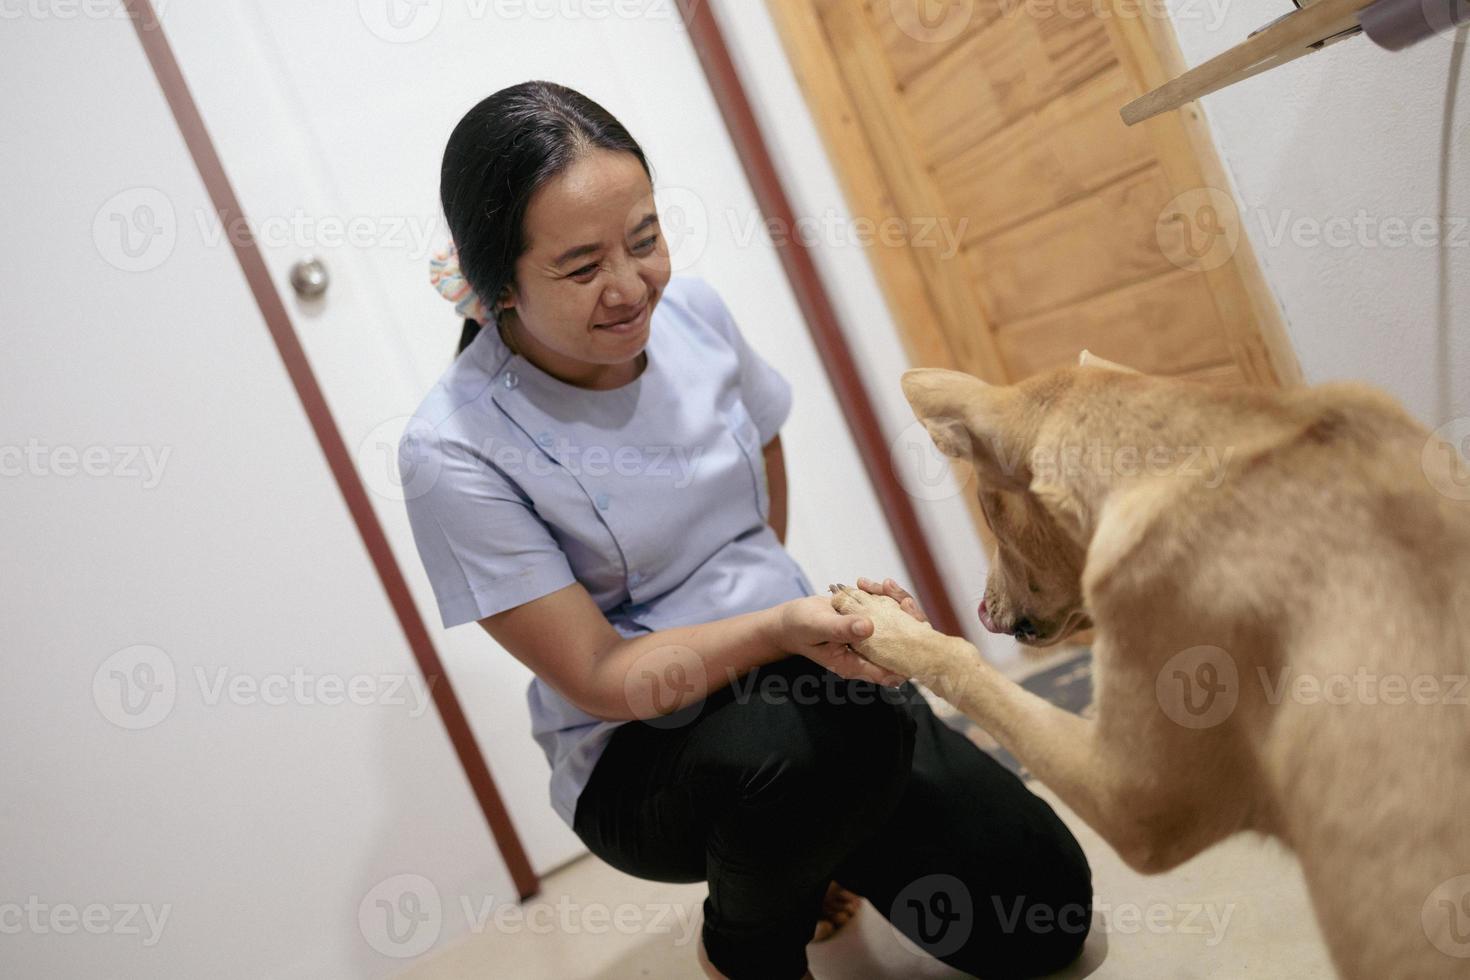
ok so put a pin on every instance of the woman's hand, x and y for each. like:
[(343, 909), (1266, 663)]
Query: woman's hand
[(812, 628), (892, 589)]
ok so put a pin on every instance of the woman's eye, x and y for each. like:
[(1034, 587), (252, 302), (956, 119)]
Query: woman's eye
[(646, 244), (583, 272)]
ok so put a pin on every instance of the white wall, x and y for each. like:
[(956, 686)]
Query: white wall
[(250, 821), (1347, 147)]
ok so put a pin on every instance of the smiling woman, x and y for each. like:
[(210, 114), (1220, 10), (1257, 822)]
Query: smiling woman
[(562, 164), (668, 629)]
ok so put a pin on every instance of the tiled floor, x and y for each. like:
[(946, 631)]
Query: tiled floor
[(1237, 911)]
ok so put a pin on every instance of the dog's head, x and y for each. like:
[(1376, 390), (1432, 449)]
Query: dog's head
[(1041, 522)]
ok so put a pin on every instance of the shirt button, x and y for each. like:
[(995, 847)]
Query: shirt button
[(544, 438), (635, 578), (602, 501), (511, 379)]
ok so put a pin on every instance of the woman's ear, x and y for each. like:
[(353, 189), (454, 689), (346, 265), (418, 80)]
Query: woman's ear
[(506, 300)]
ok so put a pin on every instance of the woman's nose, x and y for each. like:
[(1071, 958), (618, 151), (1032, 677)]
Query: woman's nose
[(624, 288)]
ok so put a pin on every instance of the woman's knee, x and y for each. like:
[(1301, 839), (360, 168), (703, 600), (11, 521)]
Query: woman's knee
[(834, 742)]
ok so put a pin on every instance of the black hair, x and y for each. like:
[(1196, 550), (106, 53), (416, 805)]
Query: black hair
[(499, 155)]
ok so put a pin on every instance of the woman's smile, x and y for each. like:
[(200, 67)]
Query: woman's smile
[(630, 324)]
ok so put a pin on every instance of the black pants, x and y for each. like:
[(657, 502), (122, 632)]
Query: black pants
[(792, 777)]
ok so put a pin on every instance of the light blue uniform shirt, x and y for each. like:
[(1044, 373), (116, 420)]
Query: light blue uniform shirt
[(652, 495)]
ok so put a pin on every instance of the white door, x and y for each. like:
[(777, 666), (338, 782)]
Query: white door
[(216, 762)]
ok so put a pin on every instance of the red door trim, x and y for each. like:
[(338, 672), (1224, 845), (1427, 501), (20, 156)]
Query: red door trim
[(821, 316), (329, 438)]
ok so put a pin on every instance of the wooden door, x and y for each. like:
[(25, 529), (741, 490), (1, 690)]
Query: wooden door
[(998, 121)]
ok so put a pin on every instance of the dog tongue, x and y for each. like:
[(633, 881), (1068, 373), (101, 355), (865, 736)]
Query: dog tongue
[(985, 619)]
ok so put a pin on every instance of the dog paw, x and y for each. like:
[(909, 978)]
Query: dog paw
[(897, 638)]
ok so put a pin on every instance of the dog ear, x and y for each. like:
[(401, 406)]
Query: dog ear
[(1088, 359), (971, 420)]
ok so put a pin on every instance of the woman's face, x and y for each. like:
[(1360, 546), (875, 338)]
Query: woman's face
[(594, 267)]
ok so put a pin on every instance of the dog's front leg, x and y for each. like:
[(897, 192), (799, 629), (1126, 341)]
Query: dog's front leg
[(1109, 784)]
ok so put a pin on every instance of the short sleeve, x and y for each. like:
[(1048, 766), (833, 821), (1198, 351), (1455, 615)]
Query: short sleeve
[(765, 392), (483, 545)]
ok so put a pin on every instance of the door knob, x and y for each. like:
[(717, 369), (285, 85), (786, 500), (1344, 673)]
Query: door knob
[(309, 278)]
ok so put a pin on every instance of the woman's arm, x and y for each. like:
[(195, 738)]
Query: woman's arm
[(776, 485), (567, 641)]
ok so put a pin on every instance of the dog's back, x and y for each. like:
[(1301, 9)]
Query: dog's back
[(1345, 575)]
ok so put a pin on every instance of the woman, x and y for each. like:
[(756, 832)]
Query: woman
[(597, 480)]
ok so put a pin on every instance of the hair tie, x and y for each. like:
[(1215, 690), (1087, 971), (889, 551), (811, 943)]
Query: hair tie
[(446, 276)]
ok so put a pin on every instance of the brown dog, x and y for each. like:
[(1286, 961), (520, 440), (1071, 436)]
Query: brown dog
[(1282, 607)]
